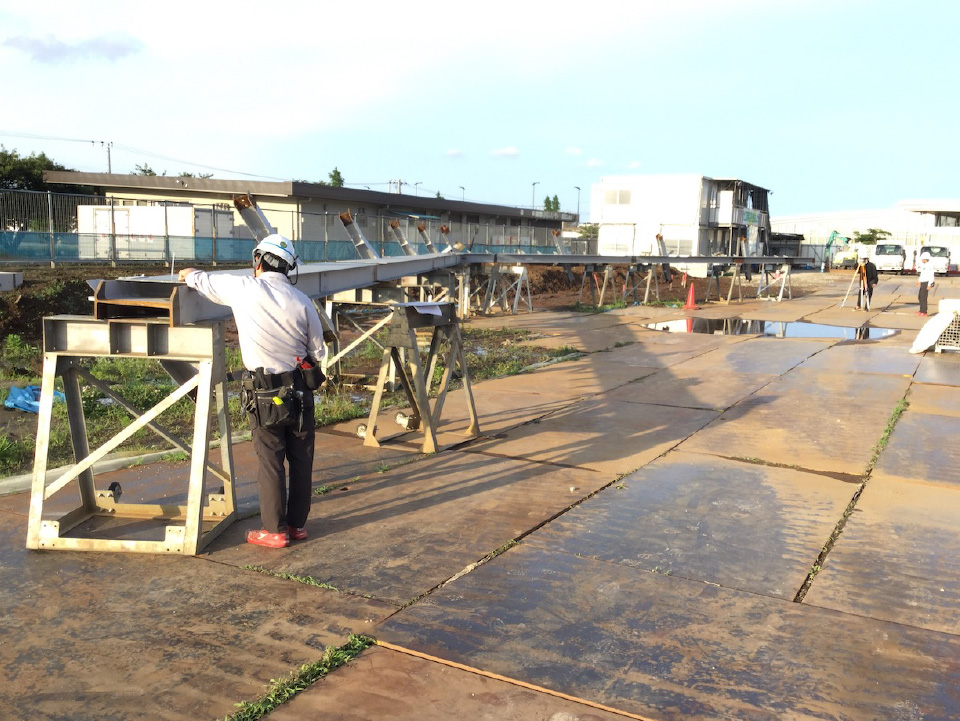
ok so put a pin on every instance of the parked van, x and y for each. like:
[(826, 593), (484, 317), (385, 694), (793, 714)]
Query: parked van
[(889, 257), (939, 257)]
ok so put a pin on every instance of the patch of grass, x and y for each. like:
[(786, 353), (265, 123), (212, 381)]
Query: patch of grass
[(307, 580), (18, 359), (335, 406), (283, 689), (580, 307), (322, 490), (15, 454)]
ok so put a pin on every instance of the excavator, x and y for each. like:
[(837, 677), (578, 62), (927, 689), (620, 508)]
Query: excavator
[(846, 258)]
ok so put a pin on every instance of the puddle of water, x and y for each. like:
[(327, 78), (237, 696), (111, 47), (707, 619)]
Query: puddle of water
[(775, 329)]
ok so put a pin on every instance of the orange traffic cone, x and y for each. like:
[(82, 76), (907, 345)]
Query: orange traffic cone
[(691, 298)]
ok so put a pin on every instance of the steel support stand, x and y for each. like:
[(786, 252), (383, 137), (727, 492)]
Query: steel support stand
[(194, 357), (591, 272), (501, 285), (416, 380), (781, 277)]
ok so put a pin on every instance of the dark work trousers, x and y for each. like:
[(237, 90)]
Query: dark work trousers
[(923, 296), (278, 507)]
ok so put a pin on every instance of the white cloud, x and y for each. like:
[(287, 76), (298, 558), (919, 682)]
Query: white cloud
[(51, 50), (594, 163), (454, 153), (508, 152), (573, 151), (634, 164)]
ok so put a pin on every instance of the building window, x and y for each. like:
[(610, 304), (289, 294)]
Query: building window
[(616, 197)]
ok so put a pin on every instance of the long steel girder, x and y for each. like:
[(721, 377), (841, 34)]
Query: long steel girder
[(122, 297)]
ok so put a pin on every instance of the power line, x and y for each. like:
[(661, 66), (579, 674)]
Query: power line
[(138, 151)]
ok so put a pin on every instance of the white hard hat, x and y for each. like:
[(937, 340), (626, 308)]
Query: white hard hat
[(279, 247), (924, 256)]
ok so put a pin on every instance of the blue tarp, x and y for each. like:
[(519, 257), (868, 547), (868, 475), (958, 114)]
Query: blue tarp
[(28, 399)]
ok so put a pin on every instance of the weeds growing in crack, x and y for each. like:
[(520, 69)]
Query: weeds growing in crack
[(817, 566), (283, 689), (307, 580)]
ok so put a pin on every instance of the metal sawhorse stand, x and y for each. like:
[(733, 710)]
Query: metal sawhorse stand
[(591, 271), (194, 357), (499, 287), (734, 284), (402, 334), (780, 275)]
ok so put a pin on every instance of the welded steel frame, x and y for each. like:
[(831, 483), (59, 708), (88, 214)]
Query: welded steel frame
[(405, 320), (194, 357), (504, 280), (591, 271), (770, 277)]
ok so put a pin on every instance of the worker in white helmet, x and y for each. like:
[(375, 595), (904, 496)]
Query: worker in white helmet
[(281, 344), (925, 281)]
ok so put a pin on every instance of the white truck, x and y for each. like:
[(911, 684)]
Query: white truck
[(889, 257), (939, 257)]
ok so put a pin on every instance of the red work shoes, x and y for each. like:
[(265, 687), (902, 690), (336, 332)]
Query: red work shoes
[(267, 539)]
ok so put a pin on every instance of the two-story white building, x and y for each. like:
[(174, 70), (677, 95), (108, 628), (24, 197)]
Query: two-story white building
[(695, 215)]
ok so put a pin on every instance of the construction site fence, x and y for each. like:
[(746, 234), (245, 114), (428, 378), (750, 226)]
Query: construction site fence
[(46, 227)]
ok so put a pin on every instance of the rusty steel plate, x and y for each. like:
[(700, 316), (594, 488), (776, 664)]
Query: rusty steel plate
[(896, 559), (739, 525), (672, 649), (813, 420), (600, 434), (567, 381), (397, 534), (660, 349), (106, 635), (934, 399), (773, 356), (593, 339), (497, 413), (939, 368), (864, 358), (387, 684), (692, 388), (923, 448)]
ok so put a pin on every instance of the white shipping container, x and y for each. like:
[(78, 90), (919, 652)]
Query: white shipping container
[(148, 232)]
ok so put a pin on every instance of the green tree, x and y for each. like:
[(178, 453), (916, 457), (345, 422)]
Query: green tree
[(439, 196), (145, 170), (336, 179), (871, 237), (556, 204), (25, 173), (589, 231)]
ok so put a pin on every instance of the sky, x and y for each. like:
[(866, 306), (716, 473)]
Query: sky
[(831, 104)]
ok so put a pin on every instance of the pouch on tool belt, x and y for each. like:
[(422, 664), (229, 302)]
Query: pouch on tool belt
[(277, 407)]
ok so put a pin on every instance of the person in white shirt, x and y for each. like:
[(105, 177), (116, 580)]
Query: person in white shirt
[(280, 335), (925, 281)]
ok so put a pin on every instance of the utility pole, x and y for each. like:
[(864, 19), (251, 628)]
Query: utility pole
[(107, 145)]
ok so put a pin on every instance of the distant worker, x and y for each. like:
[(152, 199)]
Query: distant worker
[(281, 344), (924, 281), (868, 278)]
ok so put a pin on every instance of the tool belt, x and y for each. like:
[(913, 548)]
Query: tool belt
[(276, 399)]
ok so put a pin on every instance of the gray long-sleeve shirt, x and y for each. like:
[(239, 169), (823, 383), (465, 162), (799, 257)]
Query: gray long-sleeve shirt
[(276, 322)]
